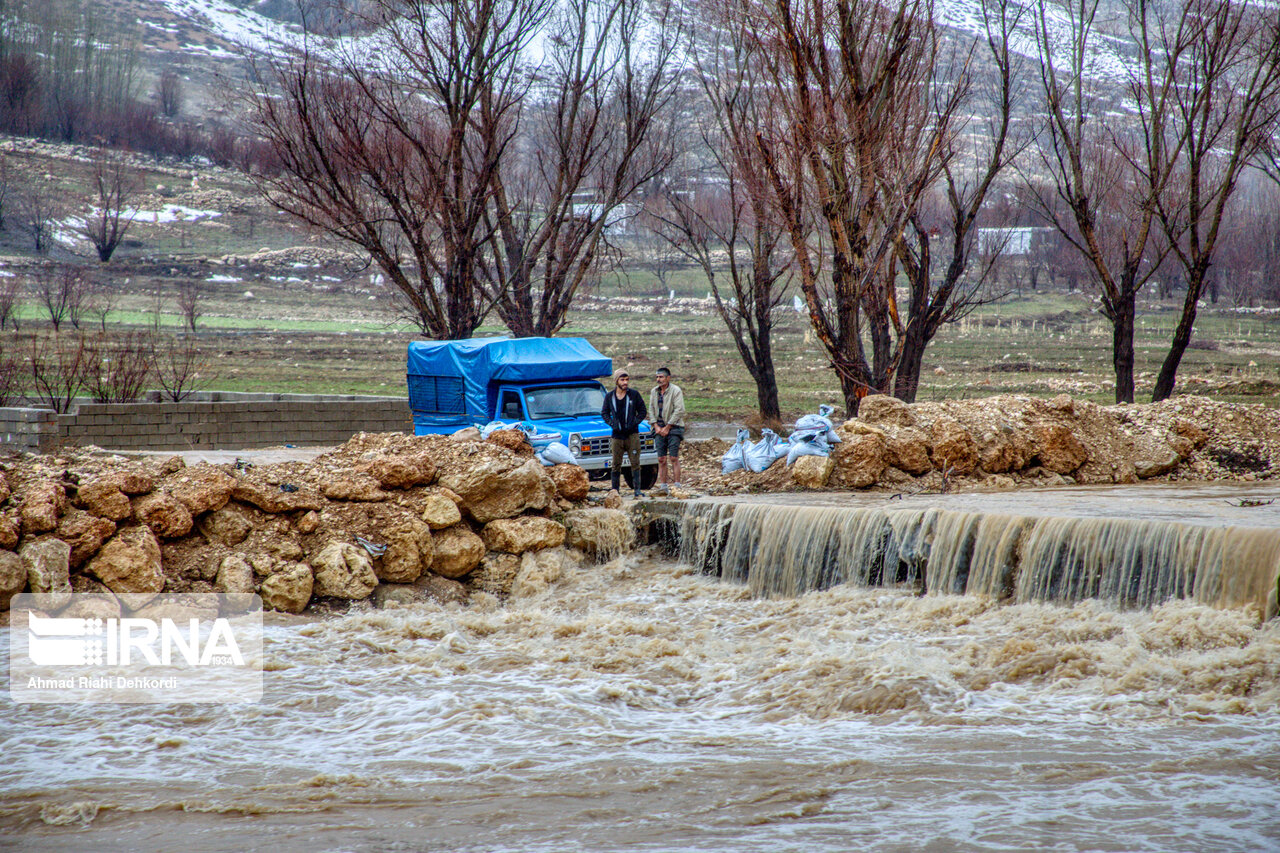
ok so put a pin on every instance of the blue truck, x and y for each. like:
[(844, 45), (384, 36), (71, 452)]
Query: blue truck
[(550, 383)]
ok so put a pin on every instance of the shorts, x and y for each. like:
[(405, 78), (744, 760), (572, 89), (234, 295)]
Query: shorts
[(669, 444)]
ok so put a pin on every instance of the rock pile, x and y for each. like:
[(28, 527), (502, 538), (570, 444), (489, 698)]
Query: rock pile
[(392, 518), (1005, 442)]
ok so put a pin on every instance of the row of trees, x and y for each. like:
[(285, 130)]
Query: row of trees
[(843, 145)]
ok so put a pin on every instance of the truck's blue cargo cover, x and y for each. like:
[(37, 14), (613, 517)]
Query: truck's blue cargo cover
[(481, 362)]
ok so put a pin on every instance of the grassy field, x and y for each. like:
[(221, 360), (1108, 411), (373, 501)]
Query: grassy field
[(281, 312)]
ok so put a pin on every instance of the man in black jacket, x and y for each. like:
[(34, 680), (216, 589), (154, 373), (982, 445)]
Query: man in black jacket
[(624, 411)]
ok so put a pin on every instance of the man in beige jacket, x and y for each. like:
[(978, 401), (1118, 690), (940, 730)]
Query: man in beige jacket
[(666, 403)]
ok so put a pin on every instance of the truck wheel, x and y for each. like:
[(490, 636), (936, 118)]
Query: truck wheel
[(648, 476)]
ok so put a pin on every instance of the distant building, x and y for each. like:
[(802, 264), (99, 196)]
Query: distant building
[(1018, 241)]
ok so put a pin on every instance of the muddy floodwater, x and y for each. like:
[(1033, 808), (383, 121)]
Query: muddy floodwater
[(641, 705)]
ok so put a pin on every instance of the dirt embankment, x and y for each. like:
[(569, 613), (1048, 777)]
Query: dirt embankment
[(1009, 442), (390, 517)]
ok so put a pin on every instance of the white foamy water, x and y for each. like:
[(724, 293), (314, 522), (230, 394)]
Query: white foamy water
[(635, 705)]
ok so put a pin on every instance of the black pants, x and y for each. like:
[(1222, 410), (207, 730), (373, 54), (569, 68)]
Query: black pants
[(631, 446)]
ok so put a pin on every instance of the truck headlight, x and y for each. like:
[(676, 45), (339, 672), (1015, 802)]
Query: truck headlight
[(575, 443)]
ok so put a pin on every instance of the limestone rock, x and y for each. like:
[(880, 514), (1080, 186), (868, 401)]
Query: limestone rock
[(439, 511), (525, 533), (1191, 432), (48, 569), (571, 481), (275, 500), (1059, 450), (309, 522), (538, 570), (132, 483), (85, 534), (352, 486), (13, 577), (167, 517), (96, 605), (1145, 469), (813, 472), (907, 450), (5, 491), (500, 488), (402, 472), (410, 551), (496, 574), (513, 440), (9, 533), (613, 500), (603, 533), (859, 461), (458, 550), (952, 447), (226, 526), (343, 571), (885, 410), (1004, 450), (467, 434), (392, 596), (202, 489), (130, 563), (235, 575), (104, 499), (441, 589), (288, 589), (43, 503)]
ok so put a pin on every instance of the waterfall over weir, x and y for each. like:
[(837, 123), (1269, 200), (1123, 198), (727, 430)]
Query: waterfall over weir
[(786, 550)]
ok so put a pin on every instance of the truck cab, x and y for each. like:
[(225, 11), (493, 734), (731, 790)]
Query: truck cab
[(549, 383)]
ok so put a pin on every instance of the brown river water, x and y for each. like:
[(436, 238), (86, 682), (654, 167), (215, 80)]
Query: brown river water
[(642, 705)]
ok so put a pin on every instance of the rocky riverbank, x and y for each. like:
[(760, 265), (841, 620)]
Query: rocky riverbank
[(390, 518)]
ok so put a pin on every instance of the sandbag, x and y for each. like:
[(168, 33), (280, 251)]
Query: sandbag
[(808, 443), (556, 453), (763, 453), (822, 421), (734, 458)]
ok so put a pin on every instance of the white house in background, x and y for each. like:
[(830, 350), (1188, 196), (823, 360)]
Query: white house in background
[(620, 220), (1021, 240)]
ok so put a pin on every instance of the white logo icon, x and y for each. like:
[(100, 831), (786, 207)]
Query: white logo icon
[(64, 642)]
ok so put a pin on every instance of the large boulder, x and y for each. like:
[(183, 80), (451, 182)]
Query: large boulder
[(1145, 469), (410, 551), (538, 570), (201, 489), (1058, 448), (952, 447), (282, 498), (104, 499), (42, 505), (458, 550), (812, 472), (402, 472), (48, 569), (440, 510), (13, 577), (132, 483), (352, 486), (907, 449), (496, 574), (512, 439), (571, 481), (167, 517), (883, 410), (343, 571), (227, 526), (10, 532), (525, 533), (602, 533), (235, 575), (288, 588), (500, 488), (85, 534), (130, 562), (859, 461), (1004, 449)]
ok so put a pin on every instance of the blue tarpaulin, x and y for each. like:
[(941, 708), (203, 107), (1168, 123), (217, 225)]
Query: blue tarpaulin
[(460, 378)]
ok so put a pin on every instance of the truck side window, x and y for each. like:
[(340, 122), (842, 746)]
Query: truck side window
[(510, 407)]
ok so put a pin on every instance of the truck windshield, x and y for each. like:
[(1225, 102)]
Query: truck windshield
[(567, 402)]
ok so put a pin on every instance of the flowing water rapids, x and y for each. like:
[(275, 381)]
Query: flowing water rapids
[(643, 705)]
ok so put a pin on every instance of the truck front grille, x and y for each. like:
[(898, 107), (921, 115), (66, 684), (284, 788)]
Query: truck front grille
[(600, 446)]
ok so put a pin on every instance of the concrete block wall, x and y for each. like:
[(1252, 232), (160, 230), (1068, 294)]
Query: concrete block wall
[(208, 421)]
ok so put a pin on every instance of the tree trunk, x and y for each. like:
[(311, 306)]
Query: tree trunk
[(1177, 347), (907, 380), (1122, 345)]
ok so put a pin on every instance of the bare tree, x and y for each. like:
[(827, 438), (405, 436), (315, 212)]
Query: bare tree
[(101, 301), (180, 368), (1224, 63), (62, 290), (11, 298), (120, 368), (590, 143), (7, 181), (856, 135), (114, 185), (169, 94), (400, 160), (40, 206), (59, 366), (190, 293)]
